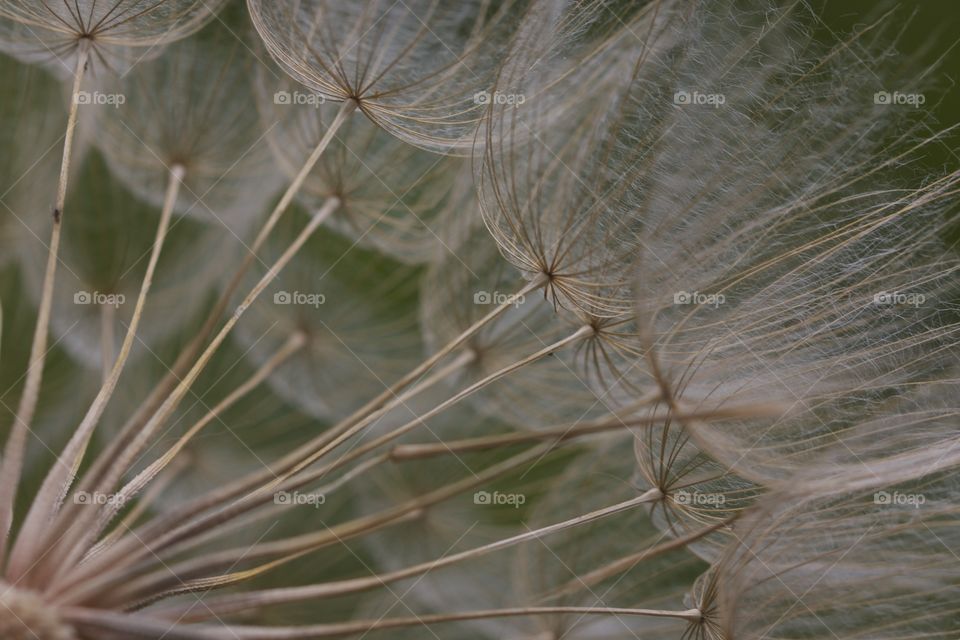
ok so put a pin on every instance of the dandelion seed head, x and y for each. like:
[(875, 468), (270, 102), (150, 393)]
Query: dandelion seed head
[(118, 33), (414, 68), (191, 110), (395, 198), (687, 228)]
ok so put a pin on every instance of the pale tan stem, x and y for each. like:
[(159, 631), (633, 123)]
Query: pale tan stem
[(310, 452), (103, 575), (240, 602), (56, 484), (292, 345), (274, 511), (418, 451), (346, 109), (188, 356), (149, 497), (12, 462), (579, 334), (93, 620), (108, 313), (349, 425), (223, 516), (172, 402), (257, 479), (588, 580), (83, 537), (263, 491), (258, 495)]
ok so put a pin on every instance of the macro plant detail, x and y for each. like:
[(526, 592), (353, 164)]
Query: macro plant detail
[(485, 319)]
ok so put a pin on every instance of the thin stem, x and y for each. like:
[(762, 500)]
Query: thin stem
[(172, 402), (227, 515), (262, 493), (107, 346), (243, 601), (556, 436), (361, 417), (36, 530), (189, 355), (84, 536), (107, 573), (17, 441), (125, 455), (274, 511), (405, 452), (346, 109), (142, 506), (290, 347), (447, 349), (259, 479), (579, 334), (98, 621), (626, 563)]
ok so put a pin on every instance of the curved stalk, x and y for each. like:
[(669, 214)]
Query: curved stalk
[(190, 353), (77, 544), (628, 562), (56, 484), (252, 481), (108, 314), (172, 402), (579, 334), (105, 573), (226, 517), (405, 452), (13, 453), (287, 480), (256, 599), (92, 619)]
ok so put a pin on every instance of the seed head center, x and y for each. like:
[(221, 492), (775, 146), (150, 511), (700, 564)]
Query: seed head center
[(25, 616)]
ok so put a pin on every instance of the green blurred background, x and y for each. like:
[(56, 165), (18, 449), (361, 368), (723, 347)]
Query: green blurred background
[(930, 32)]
